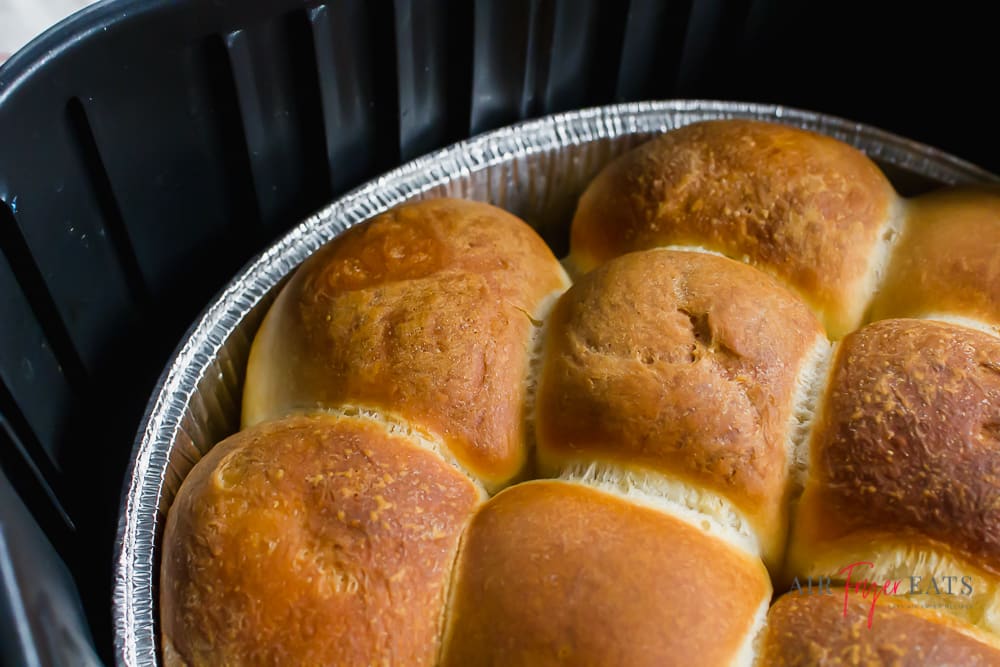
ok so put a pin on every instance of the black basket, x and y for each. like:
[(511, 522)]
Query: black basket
[(149, 147)]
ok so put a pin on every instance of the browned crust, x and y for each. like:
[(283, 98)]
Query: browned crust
[(555, 573), (909, 444), (948, 261), (683, 363), (425, 312), (813, 630), (312, 540), (802, 206)]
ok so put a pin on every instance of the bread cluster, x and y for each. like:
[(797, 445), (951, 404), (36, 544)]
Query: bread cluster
[(759, 426)]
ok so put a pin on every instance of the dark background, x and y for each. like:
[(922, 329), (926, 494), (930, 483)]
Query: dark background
[(148, 149)]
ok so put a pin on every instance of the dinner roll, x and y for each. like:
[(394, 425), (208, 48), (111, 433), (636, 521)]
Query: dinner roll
[(314, 540), (804, 630), (555, 573), (426, 315), (690, 366), (905, 461), (947, 264), (806, 208)]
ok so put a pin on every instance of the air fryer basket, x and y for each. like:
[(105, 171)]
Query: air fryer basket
[(148, 148)]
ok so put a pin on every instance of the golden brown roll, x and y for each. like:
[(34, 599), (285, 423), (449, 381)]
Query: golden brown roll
[(312, 540), (425, 314), (806, 208), (948, 260), (689, 365), (816, 630), (554, 573), (905, 461)]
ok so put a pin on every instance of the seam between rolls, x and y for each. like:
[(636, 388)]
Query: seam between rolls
[(397, 426), (570, 269), (961, 321), (630, 485), (799, 475), (748, 655), (533, 372), (894, 556), (700, 249), (882, 254), (806, 408), (449, 593)]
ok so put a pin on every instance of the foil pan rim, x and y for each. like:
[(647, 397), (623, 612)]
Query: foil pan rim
[(133, 605)]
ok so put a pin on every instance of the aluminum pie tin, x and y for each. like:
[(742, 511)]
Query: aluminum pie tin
[(536, 170)]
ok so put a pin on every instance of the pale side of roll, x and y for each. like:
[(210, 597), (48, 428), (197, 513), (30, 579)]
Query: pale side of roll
[(947, 263)]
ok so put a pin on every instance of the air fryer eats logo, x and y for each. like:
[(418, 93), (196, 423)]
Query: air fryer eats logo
[(949, 591)]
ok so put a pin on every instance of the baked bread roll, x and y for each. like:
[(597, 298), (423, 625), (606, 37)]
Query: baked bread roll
[(556, 573), (424, 315), (315, 540), (703, 398), (685, 372), (905, 462), (947, 264), (806, 629), (806, 208)]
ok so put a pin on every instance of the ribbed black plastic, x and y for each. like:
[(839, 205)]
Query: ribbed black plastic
[(149, 147), (41, 621)]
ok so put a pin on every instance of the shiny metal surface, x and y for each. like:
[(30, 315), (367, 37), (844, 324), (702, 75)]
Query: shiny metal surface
[(535, 169)]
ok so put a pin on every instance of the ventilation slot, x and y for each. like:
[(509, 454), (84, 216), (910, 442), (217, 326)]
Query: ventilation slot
[(584, 54), (458, 107), (25, 466), (253, 124), (430, 38), (712, 44), (652, 50), (538, 60), (344, 75), (381, 54), (110, 212), (229, 129), (275, 79), (26, 272), (307, 102), (500, 48)]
